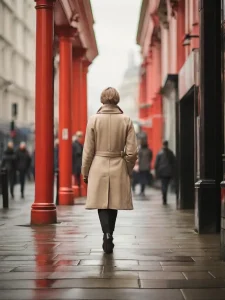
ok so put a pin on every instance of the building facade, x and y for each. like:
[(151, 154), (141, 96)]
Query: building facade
[(17, 58), (192, 89), (17, 71), (150, 98), (168, 34)]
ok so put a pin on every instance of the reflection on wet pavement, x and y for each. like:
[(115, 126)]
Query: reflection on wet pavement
[(157, 255)]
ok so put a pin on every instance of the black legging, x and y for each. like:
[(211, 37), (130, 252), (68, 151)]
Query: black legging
[(22, 181), (107, 219), (11, 179)]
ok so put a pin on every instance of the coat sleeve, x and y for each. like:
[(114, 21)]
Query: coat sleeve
[(89, 149), (131, 149)]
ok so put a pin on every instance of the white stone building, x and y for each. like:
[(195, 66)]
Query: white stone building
[(17, 58), (17, 67)]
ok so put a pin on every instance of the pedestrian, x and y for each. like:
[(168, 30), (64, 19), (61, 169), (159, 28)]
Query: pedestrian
[(77, 150), (33, 164), (165, 168), (23, 164), (145, 160), (135, 176), (9, 162), (56, 155), (109, 155)]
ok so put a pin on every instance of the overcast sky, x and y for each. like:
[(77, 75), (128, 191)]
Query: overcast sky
[(116, 23)]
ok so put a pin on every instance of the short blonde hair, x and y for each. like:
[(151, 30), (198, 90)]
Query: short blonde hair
[(110, 96)]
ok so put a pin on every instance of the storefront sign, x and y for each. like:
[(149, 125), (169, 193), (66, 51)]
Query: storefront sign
[(65, 134), (146, 122), (189, 74)]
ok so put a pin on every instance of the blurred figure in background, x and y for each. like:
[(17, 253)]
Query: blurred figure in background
[(77, 151), (135, 176), (9, 162), (56, 155), (165, 168), (23, 160), (33, 164), (145, 160)]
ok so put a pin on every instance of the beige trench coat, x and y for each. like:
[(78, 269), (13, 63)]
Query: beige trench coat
[(109, 155)]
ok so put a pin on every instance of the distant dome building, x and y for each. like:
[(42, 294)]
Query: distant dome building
[(129, 89)]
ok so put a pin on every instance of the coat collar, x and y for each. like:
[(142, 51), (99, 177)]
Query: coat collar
[(110, 109)]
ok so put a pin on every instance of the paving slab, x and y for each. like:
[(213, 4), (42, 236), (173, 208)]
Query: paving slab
[(95, 294), (204, 294), (157, 255)]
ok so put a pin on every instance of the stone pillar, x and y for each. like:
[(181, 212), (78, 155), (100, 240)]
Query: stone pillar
[(43, 210), (78, 53), (180, 34), (84, 110), (84, 104), (157, 121), (208, 197), (65, 116), (149, 78)]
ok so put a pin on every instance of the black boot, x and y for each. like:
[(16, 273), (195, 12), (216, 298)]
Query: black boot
[(107, 245), (164, 200)]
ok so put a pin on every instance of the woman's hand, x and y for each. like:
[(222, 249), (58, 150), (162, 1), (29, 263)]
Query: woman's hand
[(86, 179)]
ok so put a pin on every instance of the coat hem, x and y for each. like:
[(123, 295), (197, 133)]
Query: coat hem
[(116, 208)]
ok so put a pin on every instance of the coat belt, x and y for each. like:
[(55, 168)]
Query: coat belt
[(110, 154)]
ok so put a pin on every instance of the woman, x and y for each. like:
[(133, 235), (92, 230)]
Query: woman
[(145, 160), (109, 155)]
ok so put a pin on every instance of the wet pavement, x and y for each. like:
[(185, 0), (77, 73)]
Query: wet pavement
[(157, 256)]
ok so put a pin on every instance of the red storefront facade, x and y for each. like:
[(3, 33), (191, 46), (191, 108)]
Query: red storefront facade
[(189, 35), (67, 27), (168, 34), (150, 99)]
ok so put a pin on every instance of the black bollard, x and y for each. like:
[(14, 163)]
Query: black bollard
[(57, 187), (5, 191)]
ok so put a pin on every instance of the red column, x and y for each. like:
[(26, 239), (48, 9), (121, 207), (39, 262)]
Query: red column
[(148, 67), (180, 34), (141, 96), (78, 53), (84, 110), (43, 210), (157, 112), (65, 100), (149, 78), (84, 105)]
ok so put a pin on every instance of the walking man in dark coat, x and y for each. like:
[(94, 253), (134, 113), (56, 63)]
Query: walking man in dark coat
[(165, 168), (77, 151), (23, 165), (9, 162), (144, 159)]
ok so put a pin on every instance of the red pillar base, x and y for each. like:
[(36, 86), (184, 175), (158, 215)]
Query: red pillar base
[(84, 191), (66, 196), (43, 214), (76, 191)]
